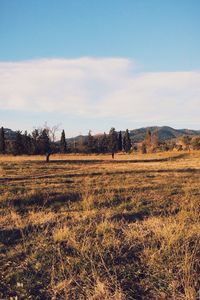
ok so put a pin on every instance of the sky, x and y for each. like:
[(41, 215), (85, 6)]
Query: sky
[(90, 64)]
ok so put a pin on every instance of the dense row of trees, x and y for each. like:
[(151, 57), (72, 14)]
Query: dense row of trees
[(103, 143), (43, 141), (36, 143)]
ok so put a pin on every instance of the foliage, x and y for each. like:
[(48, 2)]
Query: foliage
[(43, 140), (2, 141), (18, 147), (126, 141), (113, 140), (195, 142), (120, 143), (102, 143), (90, 143), (63, 144), (151, 141), (143, 148)]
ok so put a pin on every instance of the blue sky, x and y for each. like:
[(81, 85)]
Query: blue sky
[(147, 47)]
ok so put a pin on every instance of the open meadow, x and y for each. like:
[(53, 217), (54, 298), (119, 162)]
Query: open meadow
[(87, 227)]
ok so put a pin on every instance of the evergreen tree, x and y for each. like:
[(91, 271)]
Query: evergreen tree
[(113, 140), (18, 144), (97, 141), (154, 141), (27, 143), (35, 142), (90, 143), (103, 143), (126, 141), (44, 142), (148, 140), (81, 144), (120, 141), (2, 141), (63, 144)]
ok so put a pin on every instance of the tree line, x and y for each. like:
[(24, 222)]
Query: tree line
[(43, 141), (23, 143)]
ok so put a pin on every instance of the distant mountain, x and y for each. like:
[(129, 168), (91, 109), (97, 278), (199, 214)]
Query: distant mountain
[(137, 135), (82, 138), (164, 133), (9, 134)]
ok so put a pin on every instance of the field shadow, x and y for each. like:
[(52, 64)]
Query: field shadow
[(130, 216), (68, 175), (14, 236), (53, 200), (101, 161), (115, 161), (10, 236)]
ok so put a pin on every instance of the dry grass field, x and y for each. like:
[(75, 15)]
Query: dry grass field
[(86, 227)]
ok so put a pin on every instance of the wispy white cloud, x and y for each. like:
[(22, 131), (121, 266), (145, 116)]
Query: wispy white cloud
[(99, 87)]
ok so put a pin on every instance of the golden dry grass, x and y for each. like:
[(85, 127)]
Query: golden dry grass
[(87, 227)]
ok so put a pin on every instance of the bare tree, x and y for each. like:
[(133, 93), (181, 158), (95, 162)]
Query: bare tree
[(154, 141), (51, 133)]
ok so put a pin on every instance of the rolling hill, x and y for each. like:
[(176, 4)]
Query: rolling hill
[(164, 133), (137, 135)]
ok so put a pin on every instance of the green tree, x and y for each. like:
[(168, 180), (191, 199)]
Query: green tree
[(126, 141), (90, 142), (113, 140), (120, 141), (18, 147), (27, 143), (35, 142), (2, 141), (63, 144), (103, 143), (44, 142)]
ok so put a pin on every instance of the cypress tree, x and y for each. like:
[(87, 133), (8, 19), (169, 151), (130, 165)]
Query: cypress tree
[(154, 141), (63, 144), (103, 143), (113, 140), (2, 141), (126, 141), (120, 141), (18, 144), (27, 143), (90, 143), (148, 139), (35, 142)]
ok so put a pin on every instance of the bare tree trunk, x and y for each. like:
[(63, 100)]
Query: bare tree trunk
[(47, 156)]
